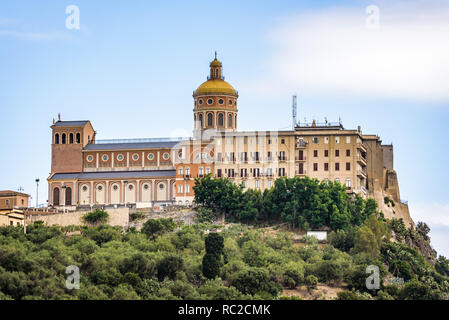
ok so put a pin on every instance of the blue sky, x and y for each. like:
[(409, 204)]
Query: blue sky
[(131, 69)]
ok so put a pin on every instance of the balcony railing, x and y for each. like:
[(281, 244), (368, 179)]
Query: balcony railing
[(361, 146)]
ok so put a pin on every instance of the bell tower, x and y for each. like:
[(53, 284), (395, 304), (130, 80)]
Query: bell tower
[(215, 102), (68, 140)]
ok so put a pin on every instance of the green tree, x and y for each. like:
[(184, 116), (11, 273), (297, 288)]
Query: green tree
[(156, 227), (212, 260), (169, 266)]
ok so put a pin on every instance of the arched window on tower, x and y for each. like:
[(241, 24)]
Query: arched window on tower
[(216, 73), (68, 196), (220, 120), (56, 196), (71, 138), (57, 138), (78, 138), (230, 120), (63, 140), (200, 119), (210, 121)]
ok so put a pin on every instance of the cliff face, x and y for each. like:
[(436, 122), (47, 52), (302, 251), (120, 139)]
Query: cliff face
[(393, 208), (382, 181)]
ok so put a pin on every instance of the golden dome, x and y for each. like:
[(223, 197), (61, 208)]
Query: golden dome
[(215, 63), (215, 86)]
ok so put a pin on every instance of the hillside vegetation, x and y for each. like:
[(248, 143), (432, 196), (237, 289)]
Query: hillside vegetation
[(241, 260)]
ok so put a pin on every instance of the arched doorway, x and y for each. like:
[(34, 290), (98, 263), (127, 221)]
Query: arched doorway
[(56, 196)]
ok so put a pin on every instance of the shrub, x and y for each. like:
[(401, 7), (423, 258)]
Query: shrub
[(95, 217), (256, 280), (205, 215), (155, 227), (137, 216), (311, 282)]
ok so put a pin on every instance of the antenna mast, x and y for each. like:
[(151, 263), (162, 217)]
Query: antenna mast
[(294, 107)]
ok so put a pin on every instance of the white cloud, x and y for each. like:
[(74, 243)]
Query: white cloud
[(332, 51), (433, 214), (33, 35)]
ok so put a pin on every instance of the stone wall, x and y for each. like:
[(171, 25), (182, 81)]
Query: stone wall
[(117, 217)]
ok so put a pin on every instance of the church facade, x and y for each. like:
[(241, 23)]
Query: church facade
[(145, 172)]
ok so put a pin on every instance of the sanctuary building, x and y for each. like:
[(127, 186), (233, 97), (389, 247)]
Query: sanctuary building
[(159, 171)]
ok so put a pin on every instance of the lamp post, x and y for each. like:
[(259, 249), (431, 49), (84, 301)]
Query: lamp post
[(37, 193)]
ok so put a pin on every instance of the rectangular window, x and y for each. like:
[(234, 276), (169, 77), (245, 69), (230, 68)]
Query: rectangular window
[(201, 171), (326, 140), (281, 172), (326, 153), (337, 139), (315, 167), (269, 141), (282, 155), (337, 153), (219, 158), (270, 183), (187, 188), (179, 189), (180, 170), (348, 139), (257, 183), (301, 155), (219, 173), (348, 152), (315, 140), (326, 166), (348, 166), (269, 156), (315, 153), (348, 183), (337, 166), (207, 170), (282, 141)]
